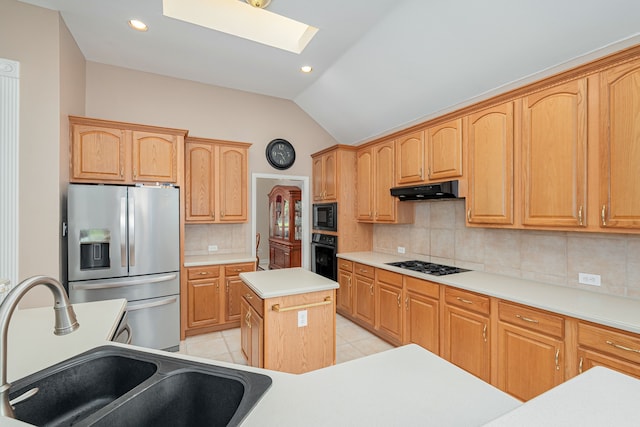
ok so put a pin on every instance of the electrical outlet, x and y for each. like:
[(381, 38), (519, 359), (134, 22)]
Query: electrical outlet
[(302, 318), (213, 248), (401, 249), (589, 279)]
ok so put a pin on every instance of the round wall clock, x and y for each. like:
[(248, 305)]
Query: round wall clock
[(280, 154)]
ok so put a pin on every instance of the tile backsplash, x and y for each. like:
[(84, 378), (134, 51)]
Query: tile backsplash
[(230, 238), (439, 234)]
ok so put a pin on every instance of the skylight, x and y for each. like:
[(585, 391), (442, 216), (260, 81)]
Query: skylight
[(242, 20)]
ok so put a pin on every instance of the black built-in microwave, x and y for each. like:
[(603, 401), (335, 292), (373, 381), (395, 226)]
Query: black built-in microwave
[(325, 216)]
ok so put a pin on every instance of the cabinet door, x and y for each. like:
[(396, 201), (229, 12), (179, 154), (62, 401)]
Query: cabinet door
[(204, 302), (232, 288), (410, 158), (554, 159), (200, 173), (588, 358), (245, 330), (384, 164), (389, 311), (233, 184), (257, 338), (317, 179), (344, 294), (330, 176), (529, 363), (155, 157), (364, 299), (365, 184), (445, 150), (466, 341), (421, 321), (490, 148), (620, 146), (98, 153)]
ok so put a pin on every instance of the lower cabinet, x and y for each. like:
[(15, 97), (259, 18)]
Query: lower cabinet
[(364, 301), (344, 294), (251, 331), (388, 300), (530, 350), (213, 297), (601, 346), (421, 317), (466, 332)]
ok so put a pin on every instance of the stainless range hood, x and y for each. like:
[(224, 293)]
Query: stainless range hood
[(442, 190)]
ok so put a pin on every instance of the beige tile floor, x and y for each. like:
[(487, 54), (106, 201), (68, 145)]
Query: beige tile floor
[(352, 342)]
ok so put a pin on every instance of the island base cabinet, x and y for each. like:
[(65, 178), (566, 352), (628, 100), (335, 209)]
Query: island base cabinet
[(299, 332), (251, 335)]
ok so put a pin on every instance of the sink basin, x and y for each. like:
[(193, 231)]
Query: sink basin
[(116, 386)]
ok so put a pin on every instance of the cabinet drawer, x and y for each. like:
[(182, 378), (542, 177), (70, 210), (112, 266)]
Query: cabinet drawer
[(364, 270), (195, 273), (621, 344), (345, 265), (253, 299), (531, 318), (389, 277), (422, 287), (236, 269), (468, 300)]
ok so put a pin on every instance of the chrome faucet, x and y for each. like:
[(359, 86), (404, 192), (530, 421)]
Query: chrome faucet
[(65, 322)]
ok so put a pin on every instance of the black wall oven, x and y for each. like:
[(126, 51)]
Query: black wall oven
[(325, 216), (324, 248)]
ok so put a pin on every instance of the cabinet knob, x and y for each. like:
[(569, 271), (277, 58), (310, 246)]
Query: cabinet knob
[(557, 359), (580, 215), (484, 332), (248, 296), (603, 215), (121, 172), (469, 215), (135, 172)]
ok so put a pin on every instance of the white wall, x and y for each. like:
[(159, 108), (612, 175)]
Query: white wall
[(32, 36), (211, 112)]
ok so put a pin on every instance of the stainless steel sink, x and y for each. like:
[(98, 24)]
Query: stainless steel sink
[(111, 386)]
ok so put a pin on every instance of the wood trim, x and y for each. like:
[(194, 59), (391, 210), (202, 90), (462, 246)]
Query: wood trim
[(89, 121), (200, 140)]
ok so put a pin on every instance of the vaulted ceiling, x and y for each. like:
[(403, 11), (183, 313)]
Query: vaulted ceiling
[(378, 65)]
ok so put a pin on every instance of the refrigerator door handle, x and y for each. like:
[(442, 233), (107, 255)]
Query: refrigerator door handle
[(132, 231), (123, 231), (142, 306), (108, 285)]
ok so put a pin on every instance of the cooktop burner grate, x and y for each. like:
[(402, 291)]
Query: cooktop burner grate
[(427, 267)]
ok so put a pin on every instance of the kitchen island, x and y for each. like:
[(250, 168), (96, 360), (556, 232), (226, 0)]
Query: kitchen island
[(288, 320)]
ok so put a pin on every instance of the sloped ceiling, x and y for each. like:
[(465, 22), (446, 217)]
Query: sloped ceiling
[(379, 65)]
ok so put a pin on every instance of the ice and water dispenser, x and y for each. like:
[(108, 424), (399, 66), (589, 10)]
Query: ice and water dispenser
[(94, 249)]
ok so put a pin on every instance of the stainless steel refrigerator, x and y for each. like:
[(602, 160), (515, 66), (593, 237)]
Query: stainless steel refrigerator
[(123, 242)]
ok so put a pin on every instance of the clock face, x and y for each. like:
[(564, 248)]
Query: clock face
[(280, 154)]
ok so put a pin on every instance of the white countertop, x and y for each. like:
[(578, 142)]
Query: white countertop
[(286, 281), (598, 397), (33, 346), (617, 312), (216, 259)]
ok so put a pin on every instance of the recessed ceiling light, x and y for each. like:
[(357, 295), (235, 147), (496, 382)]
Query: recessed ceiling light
[(306, 69), (137, 25)]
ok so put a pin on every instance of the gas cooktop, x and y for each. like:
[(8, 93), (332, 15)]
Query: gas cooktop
[(427, 267)]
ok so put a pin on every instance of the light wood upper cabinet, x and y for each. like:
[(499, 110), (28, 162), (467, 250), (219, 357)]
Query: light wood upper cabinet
[(325, 177), (620, 146), (376, 167), (554, 156), (98, 153), (154, 157), (364, 183), (490, 142), (444, 154), (410, 158), (103, 151), (216, 181)]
